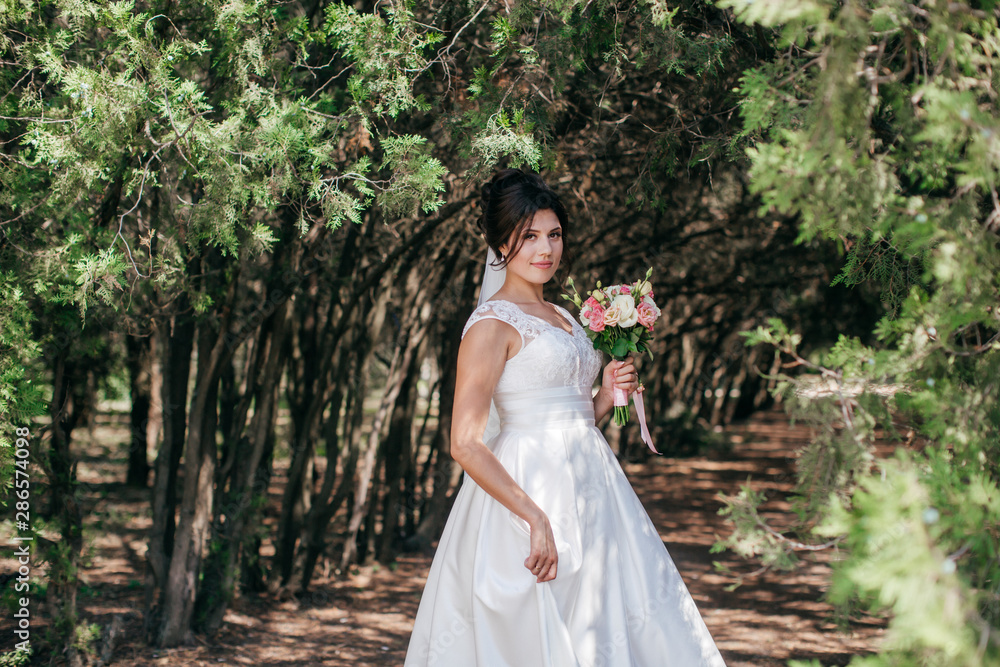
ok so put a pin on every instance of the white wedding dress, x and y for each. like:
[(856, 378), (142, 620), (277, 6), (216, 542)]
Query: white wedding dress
[(617, 599)]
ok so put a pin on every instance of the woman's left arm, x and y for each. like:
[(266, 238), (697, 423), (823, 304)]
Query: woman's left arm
[(620, 373)]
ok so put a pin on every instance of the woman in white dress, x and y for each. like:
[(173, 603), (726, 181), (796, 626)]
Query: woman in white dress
[(548, 558)]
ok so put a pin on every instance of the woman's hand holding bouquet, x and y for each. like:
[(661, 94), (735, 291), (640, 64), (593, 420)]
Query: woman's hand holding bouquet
[(619, 320)]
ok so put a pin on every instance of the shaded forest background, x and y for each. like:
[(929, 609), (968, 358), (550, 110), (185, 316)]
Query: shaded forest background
[(229, 212)]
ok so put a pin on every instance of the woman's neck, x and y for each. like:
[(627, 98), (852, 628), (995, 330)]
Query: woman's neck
[(527, 294)]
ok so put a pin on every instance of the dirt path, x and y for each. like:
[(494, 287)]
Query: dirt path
[(366, 618)]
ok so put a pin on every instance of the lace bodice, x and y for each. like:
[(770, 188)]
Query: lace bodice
[(549, 356)]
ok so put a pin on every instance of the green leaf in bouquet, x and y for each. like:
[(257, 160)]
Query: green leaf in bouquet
[(620, 348)]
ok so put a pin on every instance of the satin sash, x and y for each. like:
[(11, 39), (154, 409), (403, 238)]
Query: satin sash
[(562, 407)]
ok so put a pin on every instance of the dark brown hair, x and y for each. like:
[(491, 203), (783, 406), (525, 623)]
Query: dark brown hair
[(509, 202)]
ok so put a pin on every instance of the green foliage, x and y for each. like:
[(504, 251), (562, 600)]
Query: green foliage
[(921, 525), (878, 261), (87, 637), (507, 137), (99, 274), (538, 48), (16, 658), (751, 536), (21, 397), (877, 127), (129, 102), (385, 52), (154, 150), (417, 175), (126, 100)]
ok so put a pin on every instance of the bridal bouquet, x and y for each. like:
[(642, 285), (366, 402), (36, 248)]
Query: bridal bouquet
[(619, 320)]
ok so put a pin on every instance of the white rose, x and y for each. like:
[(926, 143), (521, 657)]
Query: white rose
[(627, 314)]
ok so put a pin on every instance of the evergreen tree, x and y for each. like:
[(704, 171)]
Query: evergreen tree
[(878, 126)]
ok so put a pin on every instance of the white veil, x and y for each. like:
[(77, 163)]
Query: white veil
[(493, 279)]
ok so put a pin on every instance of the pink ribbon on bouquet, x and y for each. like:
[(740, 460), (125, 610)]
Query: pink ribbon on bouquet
[(640, 410)]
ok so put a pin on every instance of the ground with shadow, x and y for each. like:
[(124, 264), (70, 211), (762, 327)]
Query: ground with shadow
[(365, 618)]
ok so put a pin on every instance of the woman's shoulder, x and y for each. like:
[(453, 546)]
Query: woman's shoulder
[(492, 310)]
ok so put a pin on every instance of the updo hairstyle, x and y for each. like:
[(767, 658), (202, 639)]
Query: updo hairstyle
[(509, 202)]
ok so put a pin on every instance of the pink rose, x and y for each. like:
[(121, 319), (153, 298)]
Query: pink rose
[(647, 314), (596, 317), (626, 289)]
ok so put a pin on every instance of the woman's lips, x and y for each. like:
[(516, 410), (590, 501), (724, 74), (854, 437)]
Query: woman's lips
[(542, 265)]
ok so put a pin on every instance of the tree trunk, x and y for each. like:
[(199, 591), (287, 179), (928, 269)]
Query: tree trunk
[(312, 378), (177, 336), (221, 566), (324, 508), (396, 377), (398, 455), (415, 480), (252, 571), (446, 472), (294, 505), (312, 537), (139, 360), (64, 557), (199, 474)]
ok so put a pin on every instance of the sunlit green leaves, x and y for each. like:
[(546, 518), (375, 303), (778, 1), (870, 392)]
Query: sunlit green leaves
[(661, 13), (507, 136), (386, 55), (792, 18), (416, 174), (881, 133), (776, 12), (99, 274), (907, 526)]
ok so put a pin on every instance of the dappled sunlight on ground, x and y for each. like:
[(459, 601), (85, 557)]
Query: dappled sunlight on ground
[(366, 618)]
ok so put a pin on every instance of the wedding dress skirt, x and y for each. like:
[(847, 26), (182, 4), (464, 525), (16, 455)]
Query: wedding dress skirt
[(617, 598)]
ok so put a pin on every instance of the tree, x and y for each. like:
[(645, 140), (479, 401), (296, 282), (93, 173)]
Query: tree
[(168, 145), (877, 126)]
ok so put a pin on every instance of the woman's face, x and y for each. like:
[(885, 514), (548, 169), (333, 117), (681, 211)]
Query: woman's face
[(538, 257)]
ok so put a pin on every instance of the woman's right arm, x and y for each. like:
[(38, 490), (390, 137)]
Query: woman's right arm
[(481, 358)]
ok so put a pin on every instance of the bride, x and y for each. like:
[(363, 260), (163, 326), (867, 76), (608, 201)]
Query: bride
[(547, 558)]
